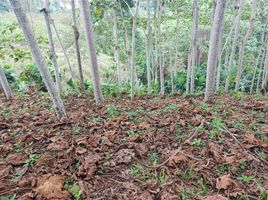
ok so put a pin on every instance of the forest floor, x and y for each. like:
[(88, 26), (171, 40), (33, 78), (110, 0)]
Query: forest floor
[(150, 148)]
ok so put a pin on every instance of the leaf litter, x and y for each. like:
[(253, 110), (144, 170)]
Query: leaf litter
[(149, 148)]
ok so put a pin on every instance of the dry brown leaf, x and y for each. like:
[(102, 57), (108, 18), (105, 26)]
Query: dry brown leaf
[(80, 150), (214, 197), (224, 182), (4, 149), (216, 151), (16, 159), (51, 187), (251, 139), (144, 125), (4, 171), (177, 159)]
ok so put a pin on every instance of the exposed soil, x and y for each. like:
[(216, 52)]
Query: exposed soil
[(149, 148)]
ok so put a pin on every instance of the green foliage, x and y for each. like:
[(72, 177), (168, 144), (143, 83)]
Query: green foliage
[(9, 198), (76, 192), (112, 111)]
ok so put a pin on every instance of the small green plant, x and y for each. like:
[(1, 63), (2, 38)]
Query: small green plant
[(242, 165), (203, 186), (153, 158), (32, 159), (245, 179), (112, 111), (161, 177), (9, 198), (223, 169), (187, 174), (197, 143), (187, 193), (18, 147), (77, 130), (76, 191)]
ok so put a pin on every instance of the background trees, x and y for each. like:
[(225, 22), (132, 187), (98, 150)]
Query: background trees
[(167, 53)]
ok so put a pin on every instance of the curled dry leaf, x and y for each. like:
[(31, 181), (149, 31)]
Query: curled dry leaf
[(224, 182), (16, 159), (177, 159), (123, 156), (216, 151), (51, 187), (80, 150)]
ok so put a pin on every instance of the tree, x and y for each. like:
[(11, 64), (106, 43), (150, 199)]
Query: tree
[(77, 48), (234, 42), (4, 83), (148, 47), (37, 55), (193, 51), (214, 46), (132, 63), (94, 69), (47, 17), (243, 44)]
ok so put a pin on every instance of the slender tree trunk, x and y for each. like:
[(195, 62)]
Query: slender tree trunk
[(133, 43), (116, 48), (193, 47), (94, 69), (46, 11), (39, 59), (77, 48), (255, 70), (65, 54), (159, 54), (265, 70), (214, 46), (243, 44), (234, 43), (148, 47), (4, 83), (172, 71), (189, 61), (261, 71)]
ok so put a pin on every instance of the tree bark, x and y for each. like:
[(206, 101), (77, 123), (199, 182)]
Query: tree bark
[(193, 47), (265, 70), (116, 48), (214, 46), (65, 54), (234, 43), (94, 69), (132, 63), (4, 83), (46, 11), (39, 59), (148, 47), (243, 44), (77, 47)]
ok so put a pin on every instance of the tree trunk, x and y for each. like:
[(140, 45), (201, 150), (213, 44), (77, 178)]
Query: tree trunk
[(265, 70), (132, 63), (148, 47), (193, 47), (4, 83), (77, 48), (46, 11), (214, 46), (65, 54), (160, 62), (39, 59), (234, 43), (243, 44), (261, 71), (116, 48), (95, 76)]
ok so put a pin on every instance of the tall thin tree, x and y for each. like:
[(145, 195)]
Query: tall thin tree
[(94, 69), (77, 47), (214, 46), (4, 83), (243, 44), (47, 17), (234, 42), (148, 47), (37, 55), (133, 43)]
